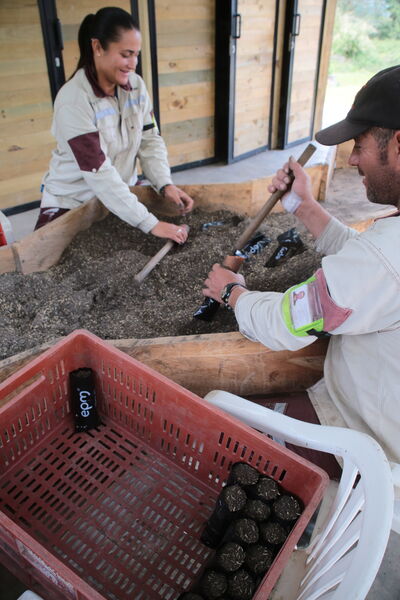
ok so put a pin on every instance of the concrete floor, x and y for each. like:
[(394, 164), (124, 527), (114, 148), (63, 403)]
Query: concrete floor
[(387, 582)]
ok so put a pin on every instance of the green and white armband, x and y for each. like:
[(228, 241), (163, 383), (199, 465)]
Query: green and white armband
[(308, 309)]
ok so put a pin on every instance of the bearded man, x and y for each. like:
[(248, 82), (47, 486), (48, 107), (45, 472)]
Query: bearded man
[(355, 296)]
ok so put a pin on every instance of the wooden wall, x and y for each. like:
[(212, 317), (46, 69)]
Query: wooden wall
[(254, 63), (186, 67), (305, 70), (25, 104), (185, 52)]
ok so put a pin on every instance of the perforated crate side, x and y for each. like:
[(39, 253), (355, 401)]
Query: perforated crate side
[(157, 436), (195, 435)]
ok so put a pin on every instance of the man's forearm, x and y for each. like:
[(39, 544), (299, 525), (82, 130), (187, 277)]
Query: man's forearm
[(313, 216)]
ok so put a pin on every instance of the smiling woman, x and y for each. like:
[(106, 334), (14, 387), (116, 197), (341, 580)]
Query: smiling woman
[(103, 123), (114, 64)]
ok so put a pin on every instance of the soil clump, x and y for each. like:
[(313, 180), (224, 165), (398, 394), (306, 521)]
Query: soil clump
[(92, 287)]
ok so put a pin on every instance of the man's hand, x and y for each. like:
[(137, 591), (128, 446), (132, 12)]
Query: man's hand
[(173, 232), (178, 197), (301, 189), (217, 279), (300, 199)]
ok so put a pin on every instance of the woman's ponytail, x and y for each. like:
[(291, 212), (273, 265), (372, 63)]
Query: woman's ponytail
[(85, 35)]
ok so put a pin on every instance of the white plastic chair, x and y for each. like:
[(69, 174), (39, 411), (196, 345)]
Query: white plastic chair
[(344, 556)]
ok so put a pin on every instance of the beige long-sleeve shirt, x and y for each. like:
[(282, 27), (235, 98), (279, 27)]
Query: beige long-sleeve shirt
[(99, 138), (362, 367)]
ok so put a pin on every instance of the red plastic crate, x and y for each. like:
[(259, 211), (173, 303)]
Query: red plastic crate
[(117, 512)]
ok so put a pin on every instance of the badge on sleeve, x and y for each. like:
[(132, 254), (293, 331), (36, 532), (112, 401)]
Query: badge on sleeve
[(308, 309)]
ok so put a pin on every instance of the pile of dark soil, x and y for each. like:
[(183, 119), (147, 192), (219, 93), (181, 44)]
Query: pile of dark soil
[(92, 287)]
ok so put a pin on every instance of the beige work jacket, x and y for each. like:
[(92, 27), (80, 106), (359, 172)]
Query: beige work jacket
[(362, 366), (99, 139)]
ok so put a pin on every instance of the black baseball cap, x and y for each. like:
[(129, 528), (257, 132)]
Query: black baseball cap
[(377, 104)]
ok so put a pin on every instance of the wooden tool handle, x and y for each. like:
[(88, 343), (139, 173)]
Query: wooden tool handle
[(148, 267), (272, 200)]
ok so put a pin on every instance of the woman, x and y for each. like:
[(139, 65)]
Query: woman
[(103, 121)]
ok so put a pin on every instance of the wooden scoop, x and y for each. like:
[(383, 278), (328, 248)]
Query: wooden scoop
[(148, 267)]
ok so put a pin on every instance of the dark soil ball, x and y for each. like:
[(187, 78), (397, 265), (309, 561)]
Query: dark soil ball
[(241, 585), (266, 489), (213, 584), (234, 497), (287, 508), (243, 474), (258, 558), (257, 510), (230, 557), (273, 533), (244, 531)]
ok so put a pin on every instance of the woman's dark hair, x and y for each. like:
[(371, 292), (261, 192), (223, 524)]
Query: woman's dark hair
[(106, 26)]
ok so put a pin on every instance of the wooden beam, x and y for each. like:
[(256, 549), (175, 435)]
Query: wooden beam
[(327, 37), (280, 36), (201, 363), (42, 249)]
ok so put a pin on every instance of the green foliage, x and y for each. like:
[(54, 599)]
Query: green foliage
[(389, 25), (351, 38), (366, 35)]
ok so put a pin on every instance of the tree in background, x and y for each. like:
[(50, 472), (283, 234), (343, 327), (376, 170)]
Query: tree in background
[(377, 23), (389, 25)]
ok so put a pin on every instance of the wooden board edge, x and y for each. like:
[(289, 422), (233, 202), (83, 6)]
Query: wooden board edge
[(204, 362)]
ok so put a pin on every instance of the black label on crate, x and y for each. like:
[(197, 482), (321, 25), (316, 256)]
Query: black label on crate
[(83, 394)]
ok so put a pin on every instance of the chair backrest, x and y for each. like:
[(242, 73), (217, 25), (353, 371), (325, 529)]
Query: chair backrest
[(345, 556)]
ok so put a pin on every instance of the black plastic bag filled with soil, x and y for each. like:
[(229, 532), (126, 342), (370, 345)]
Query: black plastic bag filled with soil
[(230, 502), (266, 489), (273, 534), (243, 532), (290, 244), (256, 510), (230, 557), (243, 474), (241, 585), (287, 508), (259, 558), (213, 584), (83, 399)]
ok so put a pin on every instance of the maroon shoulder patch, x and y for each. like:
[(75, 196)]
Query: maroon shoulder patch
[(87, 151)]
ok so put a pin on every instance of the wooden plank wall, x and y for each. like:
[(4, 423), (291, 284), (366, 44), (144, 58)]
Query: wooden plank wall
[(305, 70), (254, 61), (25, 104), (186, 67)]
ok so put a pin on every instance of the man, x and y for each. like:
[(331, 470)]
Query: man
[(355, 296)]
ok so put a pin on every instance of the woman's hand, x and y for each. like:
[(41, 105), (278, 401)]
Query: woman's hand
[(177, 233), (301, 189), (217, 279), (178, 197)]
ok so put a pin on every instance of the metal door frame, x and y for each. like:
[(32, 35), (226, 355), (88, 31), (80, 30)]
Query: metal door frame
[(287, 74), (225, 81)]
